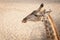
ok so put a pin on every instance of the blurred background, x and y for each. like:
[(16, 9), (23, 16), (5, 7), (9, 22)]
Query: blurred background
[(30, 1), (13, 11)]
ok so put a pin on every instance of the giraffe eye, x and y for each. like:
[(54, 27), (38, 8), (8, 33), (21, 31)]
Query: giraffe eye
[(36, 15)]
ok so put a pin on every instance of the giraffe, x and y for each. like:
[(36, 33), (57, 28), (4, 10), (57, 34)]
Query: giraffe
[(44, 16)]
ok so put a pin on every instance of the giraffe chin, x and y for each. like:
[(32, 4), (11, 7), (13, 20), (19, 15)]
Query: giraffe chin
[(24, 21)]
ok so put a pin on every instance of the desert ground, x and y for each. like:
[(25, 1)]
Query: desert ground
[(12, 28)]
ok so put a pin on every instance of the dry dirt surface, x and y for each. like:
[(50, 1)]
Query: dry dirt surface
[(11, 27)]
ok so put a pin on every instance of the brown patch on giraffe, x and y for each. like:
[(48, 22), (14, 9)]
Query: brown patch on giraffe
[(52, 37)]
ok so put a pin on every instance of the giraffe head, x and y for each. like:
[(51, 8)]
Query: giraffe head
[(35, 15)]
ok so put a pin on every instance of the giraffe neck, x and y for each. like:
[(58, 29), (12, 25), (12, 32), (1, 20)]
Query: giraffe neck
[(51, 35), (49, 31)]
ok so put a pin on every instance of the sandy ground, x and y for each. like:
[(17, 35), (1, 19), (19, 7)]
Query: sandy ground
[(11, 27)]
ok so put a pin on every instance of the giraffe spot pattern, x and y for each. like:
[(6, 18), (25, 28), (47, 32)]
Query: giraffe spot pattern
[(49, 31)]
